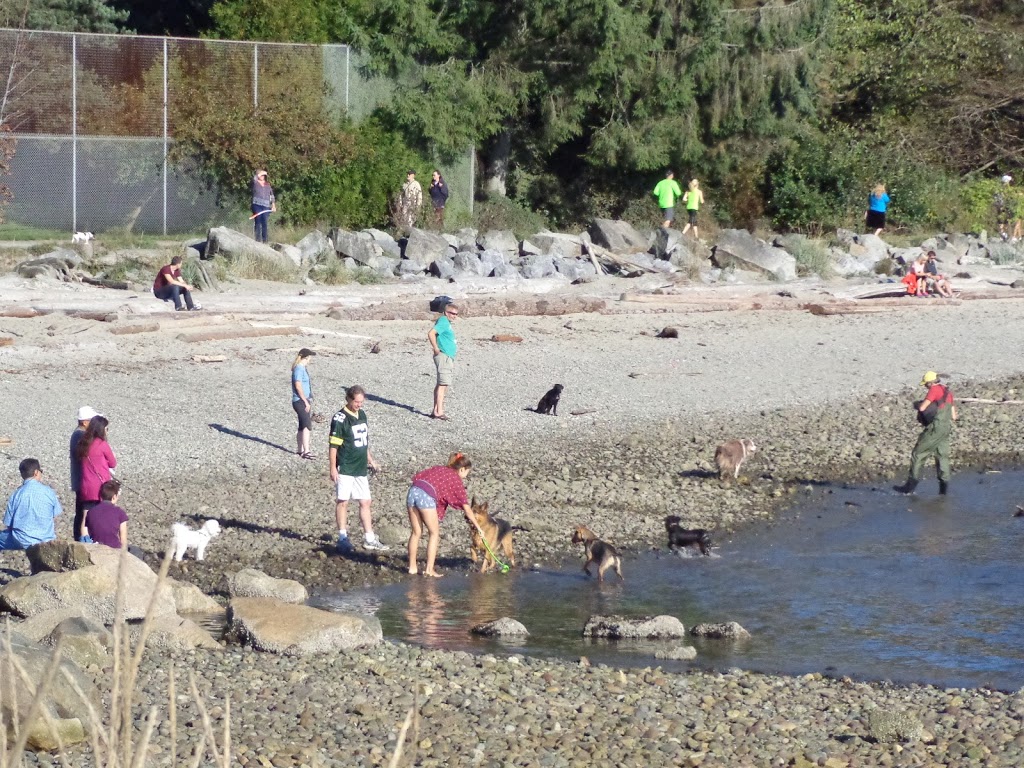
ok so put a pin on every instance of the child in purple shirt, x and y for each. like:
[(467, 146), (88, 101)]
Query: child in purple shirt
[(107, 523)]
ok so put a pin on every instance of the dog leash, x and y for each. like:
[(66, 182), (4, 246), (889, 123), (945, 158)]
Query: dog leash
[(502, 566)]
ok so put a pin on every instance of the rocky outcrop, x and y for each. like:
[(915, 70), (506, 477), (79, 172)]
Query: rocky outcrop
[(174, 633), (58, 556), (728, 631), (297, 630), (738, 248), (634, 628), (422, 247), (61, 264), (188, 598), (233, 246), (85, 641), (503, 627), (618, 236), (66, 708), (314, 247), (91, 589), (250, 582), (558, 244), (499, 240)]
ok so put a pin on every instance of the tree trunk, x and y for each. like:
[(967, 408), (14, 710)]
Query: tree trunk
[(496, 173)]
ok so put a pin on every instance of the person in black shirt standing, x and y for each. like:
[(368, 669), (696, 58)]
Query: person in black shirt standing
[(439, 197)]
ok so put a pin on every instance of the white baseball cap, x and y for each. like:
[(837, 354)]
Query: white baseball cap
[(86, 413), (1007, 179)]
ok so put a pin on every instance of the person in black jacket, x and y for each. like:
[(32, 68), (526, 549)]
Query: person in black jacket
[(438, 196)]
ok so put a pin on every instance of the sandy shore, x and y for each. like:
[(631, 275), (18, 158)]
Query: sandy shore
[(825, 397)]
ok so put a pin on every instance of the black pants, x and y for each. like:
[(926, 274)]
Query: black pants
[(81, 507)]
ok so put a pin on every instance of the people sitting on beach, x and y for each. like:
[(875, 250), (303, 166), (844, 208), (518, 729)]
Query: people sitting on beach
[(935, 281), (30, 510), (169, 286)]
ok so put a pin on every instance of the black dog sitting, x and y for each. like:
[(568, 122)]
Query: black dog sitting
[(679, 537), (549, 403)]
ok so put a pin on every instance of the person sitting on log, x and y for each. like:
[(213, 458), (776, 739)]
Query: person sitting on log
[(169, 286)]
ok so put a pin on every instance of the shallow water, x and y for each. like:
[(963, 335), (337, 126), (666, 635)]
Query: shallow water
[(859, 582)]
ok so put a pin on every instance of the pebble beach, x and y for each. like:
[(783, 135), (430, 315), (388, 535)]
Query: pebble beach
[(826, 399)]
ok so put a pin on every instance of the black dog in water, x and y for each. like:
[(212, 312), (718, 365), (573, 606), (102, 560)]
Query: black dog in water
[(549, 403), (679, 537)]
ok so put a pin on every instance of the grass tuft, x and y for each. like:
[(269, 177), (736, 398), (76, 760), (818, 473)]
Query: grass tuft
[(812, 257)]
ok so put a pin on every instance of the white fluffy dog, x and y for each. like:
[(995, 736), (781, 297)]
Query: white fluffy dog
[(82, 237), (185, 538)]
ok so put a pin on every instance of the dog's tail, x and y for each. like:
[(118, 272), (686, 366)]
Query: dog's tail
[(517, 528)]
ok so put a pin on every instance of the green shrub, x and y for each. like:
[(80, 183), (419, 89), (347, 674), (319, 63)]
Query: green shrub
[(812, 256), (257, 268), (334, 272), (501, 213)]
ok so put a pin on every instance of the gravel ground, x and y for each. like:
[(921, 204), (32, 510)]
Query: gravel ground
[(826, 399)]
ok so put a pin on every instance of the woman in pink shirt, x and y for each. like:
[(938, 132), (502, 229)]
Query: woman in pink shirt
[(433, 491), (96, 458)]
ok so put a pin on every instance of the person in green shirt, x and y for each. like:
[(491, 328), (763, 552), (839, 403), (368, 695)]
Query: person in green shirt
[(693, 198), (442, 343), (667, 191), (350, 458)]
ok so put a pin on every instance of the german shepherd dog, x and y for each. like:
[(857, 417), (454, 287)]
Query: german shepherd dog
[(549, 403), (601, 552), (679, 537), (729, 457), (498, 533)]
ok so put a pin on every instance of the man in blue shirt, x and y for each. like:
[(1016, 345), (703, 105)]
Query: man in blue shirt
[(442, 342), (30, 510)]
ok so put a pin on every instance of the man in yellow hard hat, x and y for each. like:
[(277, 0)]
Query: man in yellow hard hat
[(937, 413)]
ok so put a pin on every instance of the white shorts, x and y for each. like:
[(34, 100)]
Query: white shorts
[(353, 488)]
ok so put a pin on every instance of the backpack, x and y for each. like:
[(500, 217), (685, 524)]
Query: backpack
[(438, 303), (927, 416)]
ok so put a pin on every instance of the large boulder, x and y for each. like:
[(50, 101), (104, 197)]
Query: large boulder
[(869, 249), (387, 243), (498, 240), (85, 641), (351, 245), (60, 264), (58, 556), (730, 630), (617, 236), (424, 247), (469, 264), (738, 248), (315, 247), (60, 701), (494, 263), (638, 628), (188, 598), (558, 244), (383, 265), (503, 627), (571, 269), (667, 242), (290, 252), (297, 630), (91, 589), (466, 238), (443, 267), (173, 633), (250, 582), (536, 267), (39, 626), (233, 246)]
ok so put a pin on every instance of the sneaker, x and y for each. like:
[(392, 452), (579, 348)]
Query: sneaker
[(372, 542), (195, 307), (344, 545)]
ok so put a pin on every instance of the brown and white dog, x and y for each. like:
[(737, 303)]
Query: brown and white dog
[(729, 457), (601, 552)]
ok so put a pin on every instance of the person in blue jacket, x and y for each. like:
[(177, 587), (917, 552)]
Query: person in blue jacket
[(878, 204)]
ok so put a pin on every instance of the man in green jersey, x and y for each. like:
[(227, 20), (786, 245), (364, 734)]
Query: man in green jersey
[(667, 191), (350, 459)]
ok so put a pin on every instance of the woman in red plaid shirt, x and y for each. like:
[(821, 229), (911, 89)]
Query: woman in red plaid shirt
[(433, 491)]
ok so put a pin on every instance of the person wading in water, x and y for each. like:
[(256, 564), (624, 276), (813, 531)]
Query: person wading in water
[(937, 412)]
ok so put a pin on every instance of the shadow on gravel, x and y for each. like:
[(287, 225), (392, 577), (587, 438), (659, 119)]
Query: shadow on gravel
[(395, 404), (228, 522), (234, 433)]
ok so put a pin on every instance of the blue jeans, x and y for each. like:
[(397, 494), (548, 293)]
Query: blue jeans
[(174, 293), (260, 222)]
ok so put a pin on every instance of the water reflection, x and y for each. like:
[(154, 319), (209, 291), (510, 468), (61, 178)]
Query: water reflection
[(856, 582)]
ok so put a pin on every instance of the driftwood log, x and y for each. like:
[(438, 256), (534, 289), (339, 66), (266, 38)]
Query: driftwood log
[(119, 285), (506, 337), (6, 341), (124, 330), (223, 334)]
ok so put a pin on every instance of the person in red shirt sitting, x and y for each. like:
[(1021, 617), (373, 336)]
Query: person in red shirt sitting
[(433, 491), (169, 286)]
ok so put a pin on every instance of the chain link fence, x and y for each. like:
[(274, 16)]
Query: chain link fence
[(94, 118)]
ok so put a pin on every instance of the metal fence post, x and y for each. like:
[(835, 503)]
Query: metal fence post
[(74, 133), (165, 138), (255, 75), (472, 177), (348, 52)]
